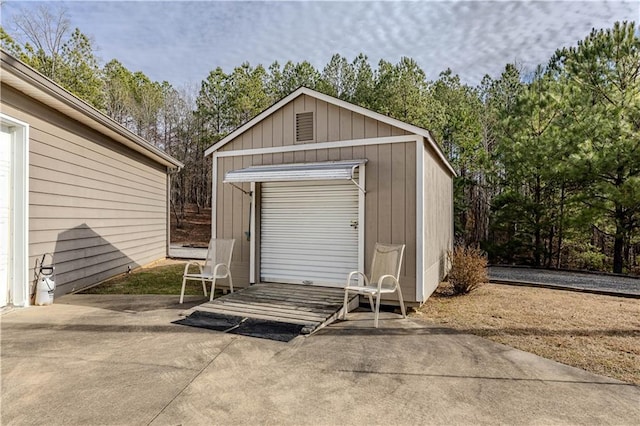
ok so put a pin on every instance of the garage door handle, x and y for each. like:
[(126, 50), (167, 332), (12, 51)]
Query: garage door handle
[(354, 224)]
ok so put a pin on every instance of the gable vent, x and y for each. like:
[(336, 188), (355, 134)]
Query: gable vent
[(304, 126)]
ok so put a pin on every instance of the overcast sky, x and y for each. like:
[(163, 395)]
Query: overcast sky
[(181, 41)]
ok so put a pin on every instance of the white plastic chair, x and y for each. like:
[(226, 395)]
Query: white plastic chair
[(217, 265), (385, 272)]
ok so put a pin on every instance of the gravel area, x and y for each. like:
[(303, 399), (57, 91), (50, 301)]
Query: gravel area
[(580, 280)]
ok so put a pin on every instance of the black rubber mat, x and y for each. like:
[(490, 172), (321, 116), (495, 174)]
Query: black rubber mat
[(264, 329), (211, 321), (251, 327)]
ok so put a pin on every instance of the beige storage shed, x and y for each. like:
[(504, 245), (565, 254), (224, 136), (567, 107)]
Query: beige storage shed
[(309, 186), (73, 183)]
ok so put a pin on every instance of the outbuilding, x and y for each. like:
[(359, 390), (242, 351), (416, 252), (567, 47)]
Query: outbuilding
[(309, 186), (76, 184)]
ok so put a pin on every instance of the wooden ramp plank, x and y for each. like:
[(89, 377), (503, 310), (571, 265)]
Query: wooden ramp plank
[(300, 310), (244, 313), (269, 310), (311, 306), (319, 307)]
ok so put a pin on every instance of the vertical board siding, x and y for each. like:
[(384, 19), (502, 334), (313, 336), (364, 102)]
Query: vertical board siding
[(239, 207), (98, 206), (384, 193), (322, 121), (390, 183), (438, 228), (331, 124)]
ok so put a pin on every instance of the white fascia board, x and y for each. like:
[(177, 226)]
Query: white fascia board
[(37, 86)]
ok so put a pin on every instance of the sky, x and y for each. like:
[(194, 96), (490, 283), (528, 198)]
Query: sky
[(182, 41)]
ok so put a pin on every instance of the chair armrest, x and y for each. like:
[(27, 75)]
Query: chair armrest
[(189, 263), (391, 277), (219, 266), (351, 274)]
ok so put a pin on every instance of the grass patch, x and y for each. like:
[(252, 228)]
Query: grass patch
[(166, 279), (600, 334)]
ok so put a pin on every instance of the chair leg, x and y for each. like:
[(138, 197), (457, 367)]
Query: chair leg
[(401, 300), (213, 288), (377, 313), (184, 282), (204, 287), (371, 303), (344, 305), (230, 282)]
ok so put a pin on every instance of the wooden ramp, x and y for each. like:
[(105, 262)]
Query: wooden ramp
[(311, 306)]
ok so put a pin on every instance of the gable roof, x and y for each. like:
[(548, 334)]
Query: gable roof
[(27, 80), (340, 103)]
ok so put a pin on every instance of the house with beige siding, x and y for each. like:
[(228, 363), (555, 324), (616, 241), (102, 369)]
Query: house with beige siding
[(309, 186), (73, 183)]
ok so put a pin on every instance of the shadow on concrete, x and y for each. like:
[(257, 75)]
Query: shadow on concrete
[(132, 303), (107, 328)]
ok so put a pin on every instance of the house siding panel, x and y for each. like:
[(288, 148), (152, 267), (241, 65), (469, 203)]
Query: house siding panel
[(95, 204)]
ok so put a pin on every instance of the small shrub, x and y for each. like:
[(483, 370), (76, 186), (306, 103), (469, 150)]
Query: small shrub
[(581, 255), (468, 269), (592, 260)]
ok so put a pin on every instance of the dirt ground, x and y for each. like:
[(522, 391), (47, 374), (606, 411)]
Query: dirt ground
[(195, 227), (597, 333)]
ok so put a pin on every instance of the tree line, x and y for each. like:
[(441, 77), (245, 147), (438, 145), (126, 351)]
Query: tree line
[(548, 161)]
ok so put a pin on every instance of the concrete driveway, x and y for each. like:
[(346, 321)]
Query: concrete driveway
[(97, 359)]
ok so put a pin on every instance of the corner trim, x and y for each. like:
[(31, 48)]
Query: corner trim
[(420, 220)]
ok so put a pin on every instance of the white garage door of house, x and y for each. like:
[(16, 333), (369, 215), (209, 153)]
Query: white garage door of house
[(308, 232), (5, 212)]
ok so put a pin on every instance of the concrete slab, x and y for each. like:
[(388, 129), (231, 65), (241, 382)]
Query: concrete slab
[(84, 362), (187, 252)]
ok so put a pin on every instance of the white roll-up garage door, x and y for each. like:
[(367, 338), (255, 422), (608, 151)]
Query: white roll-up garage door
[(308, 232)]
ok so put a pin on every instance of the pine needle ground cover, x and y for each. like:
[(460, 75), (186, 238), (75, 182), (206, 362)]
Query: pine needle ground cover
[(600, 334)]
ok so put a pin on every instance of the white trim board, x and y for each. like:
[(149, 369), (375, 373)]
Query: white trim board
[(321, 145), (420, 221), (19, 285), (361, 219), (214, 198), (252, 236)]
